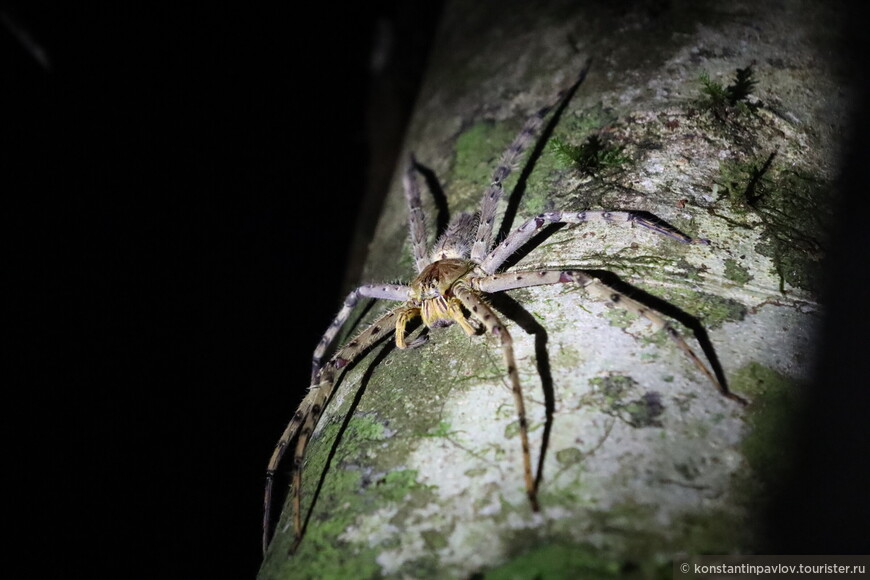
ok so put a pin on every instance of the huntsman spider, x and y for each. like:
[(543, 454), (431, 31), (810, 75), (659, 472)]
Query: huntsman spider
[(452, 281)]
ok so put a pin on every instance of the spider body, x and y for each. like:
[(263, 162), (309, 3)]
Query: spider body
[(453, 279), (432, 296)]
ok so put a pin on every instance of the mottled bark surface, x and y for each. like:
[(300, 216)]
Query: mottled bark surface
[(644, 459)]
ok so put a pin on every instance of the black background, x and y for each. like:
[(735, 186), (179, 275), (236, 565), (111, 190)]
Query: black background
[(179, 187)]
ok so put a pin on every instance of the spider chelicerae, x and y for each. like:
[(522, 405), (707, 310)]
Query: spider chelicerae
[(452, 280)]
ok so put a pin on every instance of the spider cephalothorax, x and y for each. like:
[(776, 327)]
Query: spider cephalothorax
[(432, 294), (452, 281)]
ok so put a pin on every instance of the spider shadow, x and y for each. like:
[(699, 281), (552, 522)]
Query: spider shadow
[(515, 312), (671, 311), (442, 210)]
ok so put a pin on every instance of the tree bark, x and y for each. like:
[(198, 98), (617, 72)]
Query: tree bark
[(415, 469)]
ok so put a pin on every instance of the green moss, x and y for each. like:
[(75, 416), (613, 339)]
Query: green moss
[(619, 318), (723, 101), (636, 547), (774, 403), (320, 555), (713, 532), (649, 356), (556, 562), (593, 156), (645, 552), (479, 148), (569, 456), (644, 411), (589, 120), (785, 205), (710, 531), (713, 310), (442, 430), (732, 181), (736, 272), (477, 153), (417, 376), (769, 446), (434, 540), (396, 484), (567, 356), (543, 185), (513, 428), (639, 412), (612, 388), (477, 471), (683, 269)]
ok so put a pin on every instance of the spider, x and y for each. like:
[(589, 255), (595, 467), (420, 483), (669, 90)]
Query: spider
[(452, 280)]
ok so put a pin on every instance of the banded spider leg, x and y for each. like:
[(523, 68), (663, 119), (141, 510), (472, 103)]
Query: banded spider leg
[(596, 289), (308, 414)]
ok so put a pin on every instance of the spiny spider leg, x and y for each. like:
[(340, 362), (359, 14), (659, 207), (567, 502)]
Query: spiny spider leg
[(597, 290), (480, 310), (526, 231), (493, 193), (308, 414), (396, 292)]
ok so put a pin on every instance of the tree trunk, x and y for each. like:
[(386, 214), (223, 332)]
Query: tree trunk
[(415, 469)]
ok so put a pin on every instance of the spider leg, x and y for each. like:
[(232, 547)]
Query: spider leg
[(598, 290), (405, 316), (493, 193), (383, 291), (454, 309), (480, 310), (308, 414), (526, 231), (416, 217)]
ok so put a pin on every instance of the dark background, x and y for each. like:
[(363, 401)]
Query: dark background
[(179, 187), (181, 184)]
